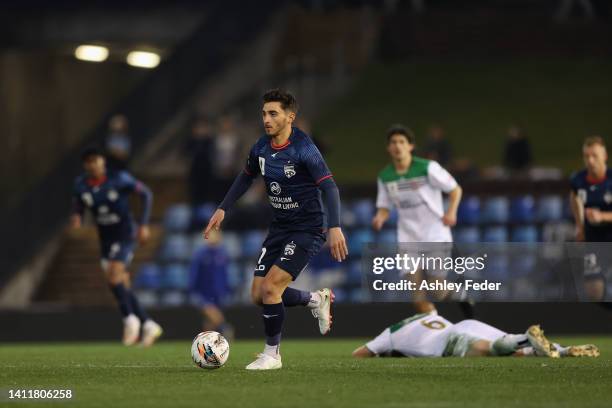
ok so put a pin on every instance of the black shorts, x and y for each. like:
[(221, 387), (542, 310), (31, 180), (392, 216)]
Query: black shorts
[(289, 250)]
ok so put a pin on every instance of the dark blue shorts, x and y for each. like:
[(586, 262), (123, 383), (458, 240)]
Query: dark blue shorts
[(120, 250), (289, 250)]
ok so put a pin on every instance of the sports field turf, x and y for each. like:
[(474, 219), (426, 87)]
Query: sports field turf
[(316, 374)]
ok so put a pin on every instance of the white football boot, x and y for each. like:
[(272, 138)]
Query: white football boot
[(584, 350), (151, 331), (265, 362), (131, 330), (323, 311), (541, 346)]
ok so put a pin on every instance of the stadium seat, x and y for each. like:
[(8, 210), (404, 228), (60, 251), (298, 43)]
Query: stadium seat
[(550, 209), (340, 295), (353, 274), (176, 248), (251, 243), (522, 209), (392, 221), (357, 239), (147, 298), (387, 236), (176, 276), (523, 265), (173, 298), (496, 267), (364, 212), (469, 211), (349, 219), (201, 215), (177, 218), (232, 244), (148, 277), (466, 235), (495, 210), (526, 233), (495, 234)]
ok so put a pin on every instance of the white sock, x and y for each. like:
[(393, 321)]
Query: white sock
[(508, 344), (273, 351), (528, 351), (315, 300)]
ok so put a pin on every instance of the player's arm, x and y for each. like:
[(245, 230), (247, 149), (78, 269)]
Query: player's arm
[(76, 216), (130, 184), (596, 216), (240, 186), (577, 211), (320, 173), (454, 198), (440, 178), (363, 352), (383, 204)]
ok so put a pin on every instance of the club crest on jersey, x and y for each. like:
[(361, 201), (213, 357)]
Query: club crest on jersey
[(275, 188), (289, 170), (290, 248), (112, 195)]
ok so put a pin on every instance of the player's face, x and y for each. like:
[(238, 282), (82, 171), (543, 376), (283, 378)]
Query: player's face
[(275, 118), (595, 157), (94, 166), (398, 147)]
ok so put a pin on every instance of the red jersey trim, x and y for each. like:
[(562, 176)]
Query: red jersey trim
[(591, 180), (281, 147), (324, 178), (96, 182)]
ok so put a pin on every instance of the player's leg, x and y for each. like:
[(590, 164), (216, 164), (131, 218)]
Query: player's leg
[(118, 279)]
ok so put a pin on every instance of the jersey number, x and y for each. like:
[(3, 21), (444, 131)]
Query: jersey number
[(263, 252), (433, 324), (262, 165)]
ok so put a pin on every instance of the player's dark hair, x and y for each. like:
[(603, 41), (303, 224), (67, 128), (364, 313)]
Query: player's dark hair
[(287, 101), (398, 129), (594, 140), (90, 152)]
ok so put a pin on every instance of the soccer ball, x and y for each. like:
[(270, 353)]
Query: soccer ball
[(209, 350)]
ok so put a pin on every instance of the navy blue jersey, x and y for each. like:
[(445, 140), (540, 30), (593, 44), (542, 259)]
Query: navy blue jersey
[(108, 201), (292, 173), (594, 194)]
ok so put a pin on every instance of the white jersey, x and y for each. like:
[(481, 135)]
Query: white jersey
[(417, 195), (422, 335), (430, 335)]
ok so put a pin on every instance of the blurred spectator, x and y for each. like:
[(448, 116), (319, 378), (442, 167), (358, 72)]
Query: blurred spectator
[(517, 152), (436, 146), (226, 160), (304, 124), (208, 284), (118, 144), (201, 147)]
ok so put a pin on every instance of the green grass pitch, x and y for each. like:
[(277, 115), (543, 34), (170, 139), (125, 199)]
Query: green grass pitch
[(316, 373)]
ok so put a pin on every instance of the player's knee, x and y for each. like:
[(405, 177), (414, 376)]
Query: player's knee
[(270, 290), (256, 297), (115, 273)]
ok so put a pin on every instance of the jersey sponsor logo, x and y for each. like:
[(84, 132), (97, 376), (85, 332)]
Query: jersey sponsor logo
[(289, 170), (87, 199), (112, 195), (283, 203), (274, 155), (282, 258), (275, 188), (289, 248)]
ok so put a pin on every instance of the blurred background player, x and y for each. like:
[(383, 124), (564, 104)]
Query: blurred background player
[(431, 335), (414, 186), (106, 195), (591, 203), (295, 174), (209, 286)]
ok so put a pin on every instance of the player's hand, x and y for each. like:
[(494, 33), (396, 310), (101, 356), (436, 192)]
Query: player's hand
[(143, 234), (378, 221), (580, 233), (337, 244), (75, 221), (215, 222), (449, 219), (593, 215)]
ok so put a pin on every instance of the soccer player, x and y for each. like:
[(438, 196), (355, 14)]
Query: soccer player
[(208, 284), (295, 175), (591, 203), (414, 186), (431, 335), (105, 194)]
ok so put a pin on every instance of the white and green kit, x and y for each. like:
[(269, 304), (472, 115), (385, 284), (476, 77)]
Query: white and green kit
[(417, 195)]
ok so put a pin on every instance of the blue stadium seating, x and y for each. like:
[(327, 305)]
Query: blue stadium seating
[(175, 248), (466, 235), (392, 221), (496, 233), (550, 209), (525, 233), (523, 265), (202, 214), (148, 277), (495, 210), (173, 298), (364, 212), (496, 267), (522, 209), (357, 239), (354, 273), (232, 244), (469, 211), (176, 276), (251, 243), (177, 218), (387, 236)]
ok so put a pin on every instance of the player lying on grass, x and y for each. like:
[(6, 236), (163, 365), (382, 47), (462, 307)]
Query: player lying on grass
[(106, 195), (431, 335), (299, 186)]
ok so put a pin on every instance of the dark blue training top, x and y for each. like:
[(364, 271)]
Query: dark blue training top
[(108, 201), (292, 173), (594, 194)]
